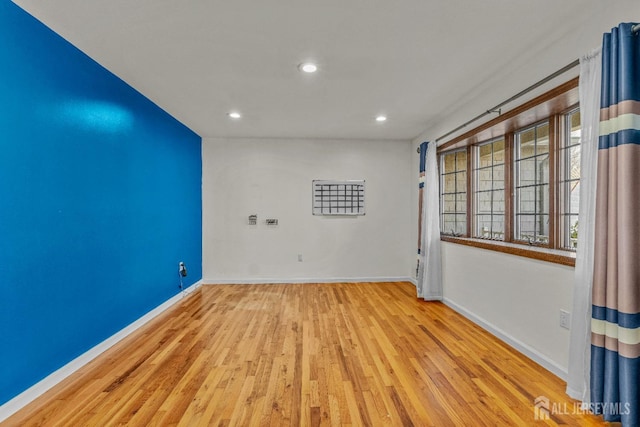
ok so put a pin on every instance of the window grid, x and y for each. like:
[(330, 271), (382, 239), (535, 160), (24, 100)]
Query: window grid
[(570, 180), (532, 184), (489, 198), (453, 195)]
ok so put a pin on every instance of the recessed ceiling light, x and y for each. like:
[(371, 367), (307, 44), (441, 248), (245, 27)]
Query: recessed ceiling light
[(234, 115), (381, 118), (308, 67)]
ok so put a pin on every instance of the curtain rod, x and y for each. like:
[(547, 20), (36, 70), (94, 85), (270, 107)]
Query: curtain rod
[(497, 108)]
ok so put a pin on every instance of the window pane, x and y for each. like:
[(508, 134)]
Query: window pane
[(527, 171), (484, 156), (527, 200), (483, 201), (532, 185), (533, 228), (542, 139), (498, 152), (573, 232), (542, 228), (574, 120), (461, 224), (449, 163), (484, 179), (461, 182), (489, 195), (574, 198), (449, 203), (448, 223), (498, 201), (542, 169), (461, 202), (574, 162), (461, 161), (497, 227), (570, 180), (527, 144), (449, 183), (526, 227), (453, 196), (542, 199), (484, 226), (498, 177)]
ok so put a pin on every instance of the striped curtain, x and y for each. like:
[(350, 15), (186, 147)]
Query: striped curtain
[(615, 323)]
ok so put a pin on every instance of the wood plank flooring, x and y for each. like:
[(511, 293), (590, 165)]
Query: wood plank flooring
[(306, 355)]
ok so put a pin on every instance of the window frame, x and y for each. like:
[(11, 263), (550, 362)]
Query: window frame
[(455, 173), (552, 107), (476, 168), (564, 204), (516, 165)]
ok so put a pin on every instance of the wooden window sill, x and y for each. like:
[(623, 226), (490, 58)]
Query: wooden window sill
[(534, 252)]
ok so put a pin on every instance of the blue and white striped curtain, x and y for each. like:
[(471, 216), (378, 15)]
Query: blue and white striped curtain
[(615, 323)]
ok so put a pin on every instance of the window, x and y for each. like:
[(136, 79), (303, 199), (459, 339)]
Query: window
[(489, 201), (453, 193), (521, 192), (532, 184), (570, 180)]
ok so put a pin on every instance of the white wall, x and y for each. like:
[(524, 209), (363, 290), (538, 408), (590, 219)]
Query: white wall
[(272, 178), (517, 298)]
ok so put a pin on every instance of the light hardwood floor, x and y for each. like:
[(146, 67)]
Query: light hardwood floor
[(304, 355)]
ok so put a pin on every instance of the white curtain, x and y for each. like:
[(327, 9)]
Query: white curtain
[(430, 267), (580, 338)]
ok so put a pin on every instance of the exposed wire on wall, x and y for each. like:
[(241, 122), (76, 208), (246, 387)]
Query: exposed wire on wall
[(182, 272)]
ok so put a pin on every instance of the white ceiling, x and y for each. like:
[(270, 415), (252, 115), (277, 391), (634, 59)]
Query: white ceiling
[(415, 60)]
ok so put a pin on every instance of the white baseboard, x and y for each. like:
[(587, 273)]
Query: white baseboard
[(245, 281), (414, 281), (36, 390), (528, 351)]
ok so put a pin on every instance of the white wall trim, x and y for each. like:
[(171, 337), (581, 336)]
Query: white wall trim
[(38, 389), (270, 280), (528, 351)]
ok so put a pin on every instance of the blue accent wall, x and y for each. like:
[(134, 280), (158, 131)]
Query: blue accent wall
[(100, 198)]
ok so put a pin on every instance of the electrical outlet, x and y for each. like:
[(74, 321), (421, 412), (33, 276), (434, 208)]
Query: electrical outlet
[(299, 257), (565, 319)]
